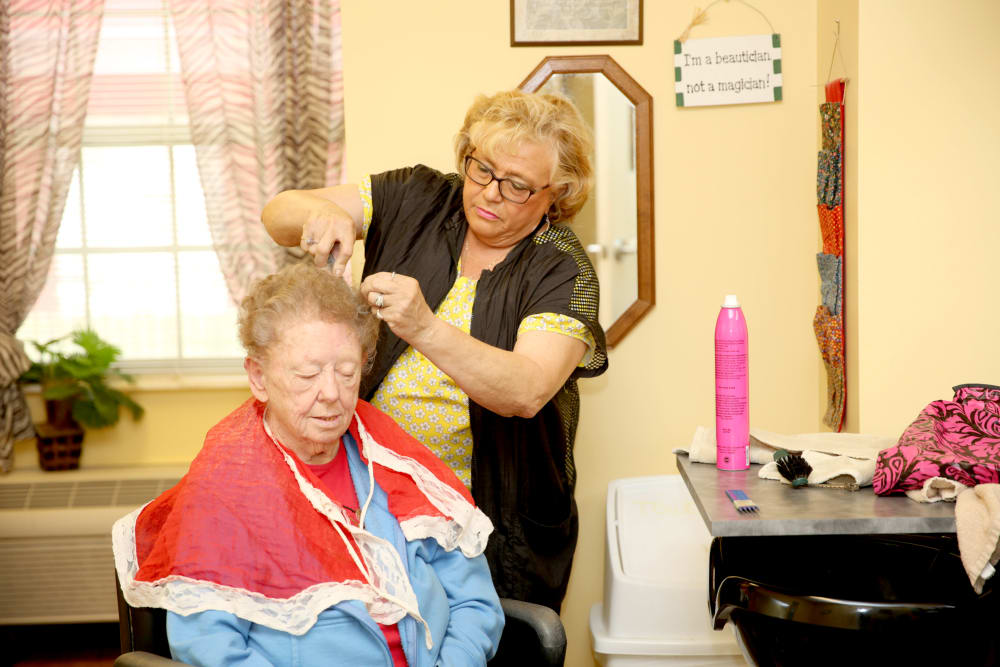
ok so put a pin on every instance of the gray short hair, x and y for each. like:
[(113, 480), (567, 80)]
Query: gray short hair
[(298, 291)]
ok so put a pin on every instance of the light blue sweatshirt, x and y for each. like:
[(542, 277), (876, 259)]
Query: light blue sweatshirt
[(455, 595)]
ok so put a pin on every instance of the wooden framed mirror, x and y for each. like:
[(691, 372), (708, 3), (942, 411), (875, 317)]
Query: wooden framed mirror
[(619, 244)]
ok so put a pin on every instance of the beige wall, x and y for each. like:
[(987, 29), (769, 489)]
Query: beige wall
[(735, 212), (928, 243)]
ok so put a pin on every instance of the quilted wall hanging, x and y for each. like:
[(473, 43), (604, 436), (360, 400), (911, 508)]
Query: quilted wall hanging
[(828, 323)]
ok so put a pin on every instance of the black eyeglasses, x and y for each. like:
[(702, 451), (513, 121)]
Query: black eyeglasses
[(512, 191)]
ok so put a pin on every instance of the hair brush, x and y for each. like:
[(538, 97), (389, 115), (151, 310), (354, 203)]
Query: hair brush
[(793, 467)]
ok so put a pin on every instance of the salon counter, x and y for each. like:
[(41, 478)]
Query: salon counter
[(809, 510)]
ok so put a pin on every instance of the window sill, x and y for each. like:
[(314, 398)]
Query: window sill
[(169, 382), (179, 382)]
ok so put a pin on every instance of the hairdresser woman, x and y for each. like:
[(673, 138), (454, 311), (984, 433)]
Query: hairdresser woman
[(491, 307)]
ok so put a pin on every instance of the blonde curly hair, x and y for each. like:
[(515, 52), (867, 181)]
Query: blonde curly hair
[(500, 123)]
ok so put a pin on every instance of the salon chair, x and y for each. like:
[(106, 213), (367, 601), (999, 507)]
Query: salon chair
[(533, 635), (852, 600)]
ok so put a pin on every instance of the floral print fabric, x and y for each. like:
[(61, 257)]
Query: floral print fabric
[(831, 226), (957, 439), (830, 117), (425, 401), (828, 182), (829, 330), (831, 282)]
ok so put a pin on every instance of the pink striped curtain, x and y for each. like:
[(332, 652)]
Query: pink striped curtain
[(265, 97), (47, 52)]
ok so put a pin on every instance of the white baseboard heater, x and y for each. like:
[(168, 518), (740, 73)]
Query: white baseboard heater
[(56, 564)]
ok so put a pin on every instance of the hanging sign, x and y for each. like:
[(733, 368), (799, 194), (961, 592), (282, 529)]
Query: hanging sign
[(727, 70)]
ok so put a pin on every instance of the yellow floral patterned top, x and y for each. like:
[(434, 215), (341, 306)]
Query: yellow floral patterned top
[(426, 402)]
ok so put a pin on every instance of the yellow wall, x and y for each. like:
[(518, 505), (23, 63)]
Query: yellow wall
[(929, 238), (734, 211)]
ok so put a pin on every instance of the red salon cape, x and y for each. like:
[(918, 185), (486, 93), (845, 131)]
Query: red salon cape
[(248, 531)]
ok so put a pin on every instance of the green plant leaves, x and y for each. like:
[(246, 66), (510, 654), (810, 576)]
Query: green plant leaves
[(81, 375), (100, 408), (59, 390), (98, 354)]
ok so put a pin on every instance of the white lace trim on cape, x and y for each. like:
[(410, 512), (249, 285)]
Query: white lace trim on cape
[(468, 528), (184, 595)]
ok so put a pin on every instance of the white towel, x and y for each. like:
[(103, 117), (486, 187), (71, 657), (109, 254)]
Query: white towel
[(937, 489), (977, 522), (827, 466), (702, 447), (834, 454), (855, 445)]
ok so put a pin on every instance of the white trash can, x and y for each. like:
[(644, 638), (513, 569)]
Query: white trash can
[(655, 609)]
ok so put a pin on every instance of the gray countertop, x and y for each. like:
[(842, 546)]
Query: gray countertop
[(810, 510)]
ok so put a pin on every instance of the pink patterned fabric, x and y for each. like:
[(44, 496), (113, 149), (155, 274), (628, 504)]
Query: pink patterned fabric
[(957, 439)]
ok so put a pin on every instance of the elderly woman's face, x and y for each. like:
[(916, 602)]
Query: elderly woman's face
[(496, 221), (310, 383)]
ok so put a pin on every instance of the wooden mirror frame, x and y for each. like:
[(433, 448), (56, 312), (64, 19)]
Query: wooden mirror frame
[(643, 102)]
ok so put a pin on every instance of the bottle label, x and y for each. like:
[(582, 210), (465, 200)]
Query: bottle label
[(731, 405), (730, 379)]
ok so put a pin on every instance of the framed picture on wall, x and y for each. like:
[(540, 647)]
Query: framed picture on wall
[(576, 22)]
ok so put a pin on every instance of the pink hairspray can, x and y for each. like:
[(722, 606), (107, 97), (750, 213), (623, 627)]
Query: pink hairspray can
[(732, 388)]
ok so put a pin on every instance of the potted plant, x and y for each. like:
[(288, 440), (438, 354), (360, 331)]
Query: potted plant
[(75, 389)]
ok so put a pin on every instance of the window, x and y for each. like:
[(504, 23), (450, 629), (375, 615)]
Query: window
[(134, 257)]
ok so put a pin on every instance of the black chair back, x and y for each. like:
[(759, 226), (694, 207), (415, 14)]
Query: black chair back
[(141, 628)]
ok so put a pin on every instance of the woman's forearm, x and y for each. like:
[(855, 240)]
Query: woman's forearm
[(330, 219), (514, 383), (288, 212), (284, 216)]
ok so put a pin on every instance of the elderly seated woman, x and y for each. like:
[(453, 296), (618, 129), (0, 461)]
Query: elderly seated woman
[(311, 529)]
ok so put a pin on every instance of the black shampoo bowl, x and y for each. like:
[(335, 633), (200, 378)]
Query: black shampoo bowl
[(852, 600)]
